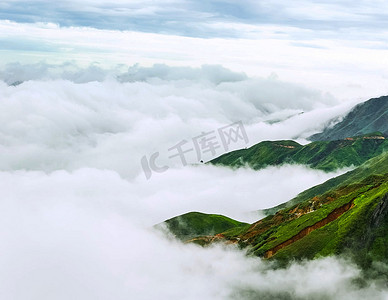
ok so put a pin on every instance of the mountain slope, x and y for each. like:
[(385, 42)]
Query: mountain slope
[(327, 156), (366, 117), (347, 214), (320, 226), (375, 166), (194, 224)]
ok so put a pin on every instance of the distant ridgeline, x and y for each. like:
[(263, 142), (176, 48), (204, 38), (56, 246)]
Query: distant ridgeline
[(367, 117), (360, 136), (323, 155)]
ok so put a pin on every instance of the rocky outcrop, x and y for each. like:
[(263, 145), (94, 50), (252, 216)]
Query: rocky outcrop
[(380, 212), (376, 219)]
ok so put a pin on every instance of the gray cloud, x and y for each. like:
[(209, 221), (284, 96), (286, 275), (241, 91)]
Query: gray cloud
[(17, 72), (214, 73), (190, 18)]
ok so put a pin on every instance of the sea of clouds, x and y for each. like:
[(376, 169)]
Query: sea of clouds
[(64, 117), (76, 209)]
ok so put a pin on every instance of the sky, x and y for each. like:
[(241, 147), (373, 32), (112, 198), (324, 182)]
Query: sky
[(91, 90), (192, 18), (339, 47)]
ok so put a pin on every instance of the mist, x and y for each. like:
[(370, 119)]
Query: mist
[(111, 124), (110, 112), (80, 236), (76, 209)]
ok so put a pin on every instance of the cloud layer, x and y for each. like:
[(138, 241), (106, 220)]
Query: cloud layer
[(76, 208), (112, 123), (194, 18), (75, 236), (349, 64)]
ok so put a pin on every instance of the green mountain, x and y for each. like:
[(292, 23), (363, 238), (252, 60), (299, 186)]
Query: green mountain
[(347, 214), (374, 166), (323, 155), (194, 224), (366, 117)]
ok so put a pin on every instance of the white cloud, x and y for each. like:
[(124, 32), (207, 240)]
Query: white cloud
[(76, 236), (75, 208), (53, 125), (207, 189), (60, 125), (75, 205), (349, 63)]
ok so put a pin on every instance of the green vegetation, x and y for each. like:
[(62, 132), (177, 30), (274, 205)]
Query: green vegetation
[(347, 214), (375, 166), (299, 217), (196, 224), (352, 232), (327, 155)]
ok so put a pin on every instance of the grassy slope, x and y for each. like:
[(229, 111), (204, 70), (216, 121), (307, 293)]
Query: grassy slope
[(325, 156), (377, 165), (260, 155), (351, 231), (363, 228), (195, 224)]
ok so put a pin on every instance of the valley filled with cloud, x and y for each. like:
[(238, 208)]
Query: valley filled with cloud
[(90, 90), (77, 210)]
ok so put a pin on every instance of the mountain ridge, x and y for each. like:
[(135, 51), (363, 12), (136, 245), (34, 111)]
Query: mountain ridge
[(366, 117), (323, 155)]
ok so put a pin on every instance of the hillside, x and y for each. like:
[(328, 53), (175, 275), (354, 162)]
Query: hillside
[(323, 155), (347, 214), (194, 224), (375, 166), (369, 116)]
